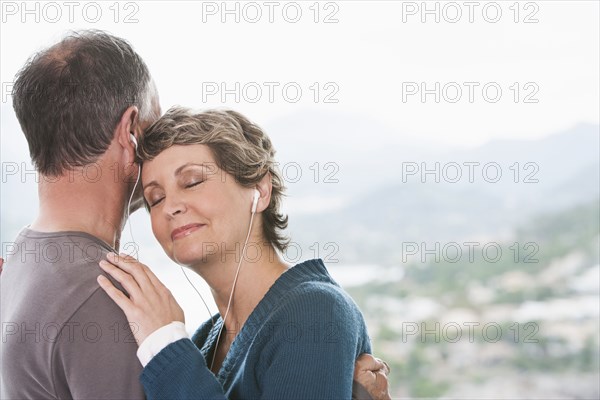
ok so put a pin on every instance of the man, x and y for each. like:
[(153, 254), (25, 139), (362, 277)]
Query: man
[(77, 103)]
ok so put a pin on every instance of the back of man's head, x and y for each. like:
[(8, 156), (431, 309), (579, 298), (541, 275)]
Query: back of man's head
[(69, 98)]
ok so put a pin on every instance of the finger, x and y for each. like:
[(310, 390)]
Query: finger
[(140, 270), (382, 364), (115, 294), (383, 379), (386, 367), (132, 266), (381, 388), (126, 280), (152, 277), (367, 362)]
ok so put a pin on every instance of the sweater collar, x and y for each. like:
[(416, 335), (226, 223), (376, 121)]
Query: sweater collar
[(307, 271)]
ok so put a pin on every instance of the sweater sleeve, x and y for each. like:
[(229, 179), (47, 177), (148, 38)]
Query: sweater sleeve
[(305, 349), (179, 371), (313, 342), (159, 339)]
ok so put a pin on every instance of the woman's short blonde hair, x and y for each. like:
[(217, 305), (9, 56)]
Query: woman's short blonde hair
[(240, 148)]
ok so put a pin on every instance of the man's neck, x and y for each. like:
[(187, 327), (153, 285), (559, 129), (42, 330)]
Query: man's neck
[(73, 202)]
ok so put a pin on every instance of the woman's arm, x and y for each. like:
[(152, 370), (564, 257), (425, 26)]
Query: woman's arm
[(180, 369)]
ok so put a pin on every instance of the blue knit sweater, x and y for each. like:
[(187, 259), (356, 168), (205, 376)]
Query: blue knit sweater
[(300, 342)]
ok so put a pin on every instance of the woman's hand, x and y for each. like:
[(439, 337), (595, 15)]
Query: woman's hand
[(150, 304)]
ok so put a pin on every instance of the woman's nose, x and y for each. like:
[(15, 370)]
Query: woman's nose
[(174, 206)]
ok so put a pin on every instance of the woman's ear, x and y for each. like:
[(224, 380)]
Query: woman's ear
[(264, 187)]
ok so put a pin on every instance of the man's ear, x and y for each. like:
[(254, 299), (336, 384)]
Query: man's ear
[(264, 186), (128, 124)]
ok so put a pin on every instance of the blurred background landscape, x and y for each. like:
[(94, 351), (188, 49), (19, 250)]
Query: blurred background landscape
[(478, 286), (451, 323)]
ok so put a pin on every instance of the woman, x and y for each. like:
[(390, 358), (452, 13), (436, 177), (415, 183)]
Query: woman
[(214, 197)]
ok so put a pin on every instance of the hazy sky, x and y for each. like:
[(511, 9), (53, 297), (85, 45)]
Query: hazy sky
[(373, 57)]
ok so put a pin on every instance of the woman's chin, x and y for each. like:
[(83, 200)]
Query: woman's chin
[(185, 252), (188, 258)]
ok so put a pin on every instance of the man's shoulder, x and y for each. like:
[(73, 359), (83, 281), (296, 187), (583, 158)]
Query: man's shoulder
[(52, 277), (54, 252)]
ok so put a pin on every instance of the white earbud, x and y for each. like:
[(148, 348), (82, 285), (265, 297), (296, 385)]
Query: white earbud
[(255, 200), (133, 140)]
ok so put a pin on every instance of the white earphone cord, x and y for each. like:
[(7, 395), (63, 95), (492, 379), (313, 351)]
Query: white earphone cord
[(232, 290), (129, 202), (201, 298)]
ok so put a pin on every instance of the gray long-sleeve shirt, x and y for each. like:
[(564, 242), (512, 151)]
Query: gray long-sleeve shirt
[(62, 336)]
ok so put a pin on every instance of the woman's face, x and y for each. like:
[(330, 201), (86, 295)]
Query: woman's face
[(198, 212)]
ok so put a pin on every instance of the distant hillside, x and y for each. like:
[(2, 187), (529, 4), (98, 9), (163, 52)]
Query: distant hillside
[(373, 226)]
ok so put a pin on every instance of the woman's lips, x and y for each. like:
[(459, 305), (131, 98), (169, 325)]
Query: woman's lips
[(185, 231)]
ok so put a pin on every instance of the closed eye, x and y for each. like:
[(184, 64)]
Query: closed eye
[(193, 184), (156, 202)]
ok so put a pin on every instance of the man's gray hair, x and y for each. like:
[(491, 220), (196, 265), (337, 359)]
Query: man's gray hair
[(70, 97)]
